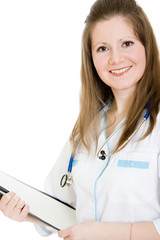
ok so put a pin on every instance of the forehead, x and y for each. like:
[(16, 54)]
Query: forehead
[(115, 28)]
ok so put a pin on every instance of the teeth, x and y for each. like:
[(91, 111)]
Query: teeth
[(120, 71)]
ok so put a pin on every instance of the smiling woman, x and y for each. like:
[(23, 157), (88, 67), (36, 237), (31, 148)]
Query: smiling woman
[(115, 143), (118, 56), (129, 29)]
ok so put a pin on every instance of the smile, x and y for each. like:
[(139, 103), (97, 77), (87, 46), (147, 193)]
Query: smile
[(120, 71)]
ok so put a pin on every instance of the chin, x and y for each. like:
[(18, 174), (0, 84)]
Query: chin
[(124, 87)]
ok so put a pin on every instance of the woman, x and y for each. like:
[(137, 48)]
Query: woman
[(115, 141)]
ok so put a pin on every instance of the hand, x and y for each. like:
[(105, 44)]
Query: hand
[(82, 231), (13, 207)]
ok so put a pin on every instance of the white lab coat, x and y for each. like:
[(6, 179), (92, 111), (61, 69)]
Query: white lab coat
[(127, 190)]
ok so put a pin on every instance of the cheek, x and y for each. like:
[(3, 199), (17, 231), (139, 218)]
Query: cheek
[(140, 59), (143, 61), (99, 64)]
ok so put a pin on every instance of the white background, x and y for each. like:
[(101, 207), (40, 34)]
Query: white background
[(40, 50)]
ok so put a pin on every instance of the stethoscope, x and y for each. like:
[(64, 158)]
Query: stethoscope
[(102, 154), (66, 179)]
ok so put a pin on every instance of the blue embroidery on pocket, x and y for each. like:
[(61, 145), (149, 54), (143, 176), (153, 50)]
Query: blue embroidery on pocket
[(75, 163), (133, 164)]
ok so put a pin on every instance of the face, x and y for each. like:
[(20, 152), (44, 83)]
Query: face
[(118, 56)]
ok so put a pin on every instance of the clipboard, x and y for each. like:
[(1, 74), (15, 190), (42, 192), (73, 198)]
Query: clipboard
[(51, 211)]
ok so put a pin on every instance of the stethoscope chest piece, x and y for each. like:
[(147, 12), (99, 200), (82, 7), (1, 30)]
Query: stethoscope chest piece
[(66, 180)]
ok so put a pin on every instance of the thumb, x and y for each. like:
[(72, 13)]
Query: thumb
[(63, 233)]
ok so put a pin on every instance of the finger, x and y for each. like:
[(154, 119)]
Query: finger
[(23, 213), (67, 238), (63, 233), (14, 201), (19, 207), (11, 206), (5, 200), (19, 214)]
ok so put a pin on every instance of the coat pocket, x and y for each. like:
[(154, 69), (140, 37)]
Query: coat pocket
[(134, 177)]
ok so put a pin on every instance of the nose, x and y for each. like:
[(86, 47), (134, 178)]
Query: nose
[(115, 56)]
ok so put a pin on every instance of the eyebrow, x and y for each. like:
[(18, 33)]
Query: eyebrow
[(135, 38), (104, 43)]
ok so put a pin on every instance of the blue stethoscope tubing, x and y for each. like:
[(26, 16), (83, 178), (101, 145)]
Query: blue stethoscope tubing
[(70, 163)]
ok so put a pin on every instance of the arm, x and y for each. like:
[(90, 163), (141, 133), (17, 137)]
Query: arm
[(110, 231), (9, 201)]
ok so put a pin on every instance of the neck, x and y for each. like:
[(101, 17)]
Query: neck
[(122, 102)]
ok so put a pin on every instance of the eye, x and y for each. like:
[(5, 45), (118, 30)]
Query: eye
[(127, 44), (102, 49)]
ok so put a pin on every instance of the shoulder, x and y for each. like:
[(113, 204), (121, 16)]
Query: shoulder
[(158, 117), (157, 124), (156, 130)]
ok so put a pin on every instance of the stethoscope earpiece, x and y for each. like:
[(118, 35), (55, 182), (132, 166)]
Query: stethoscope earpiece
[(103, 155)]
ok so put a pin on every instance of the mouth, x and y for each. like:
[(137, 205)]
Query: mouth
[(120, 72)]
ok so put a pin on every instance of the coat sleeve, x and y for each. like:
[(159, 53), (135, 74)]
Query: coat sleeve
[(52, 184), (156, 222)]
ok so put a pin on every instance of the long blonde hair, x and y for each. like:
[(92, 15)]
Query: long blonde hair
[(95, 93)]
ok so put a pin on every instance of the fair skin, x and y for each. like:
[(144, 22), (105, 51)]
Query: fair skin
[(16, 209), (119, 58)]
